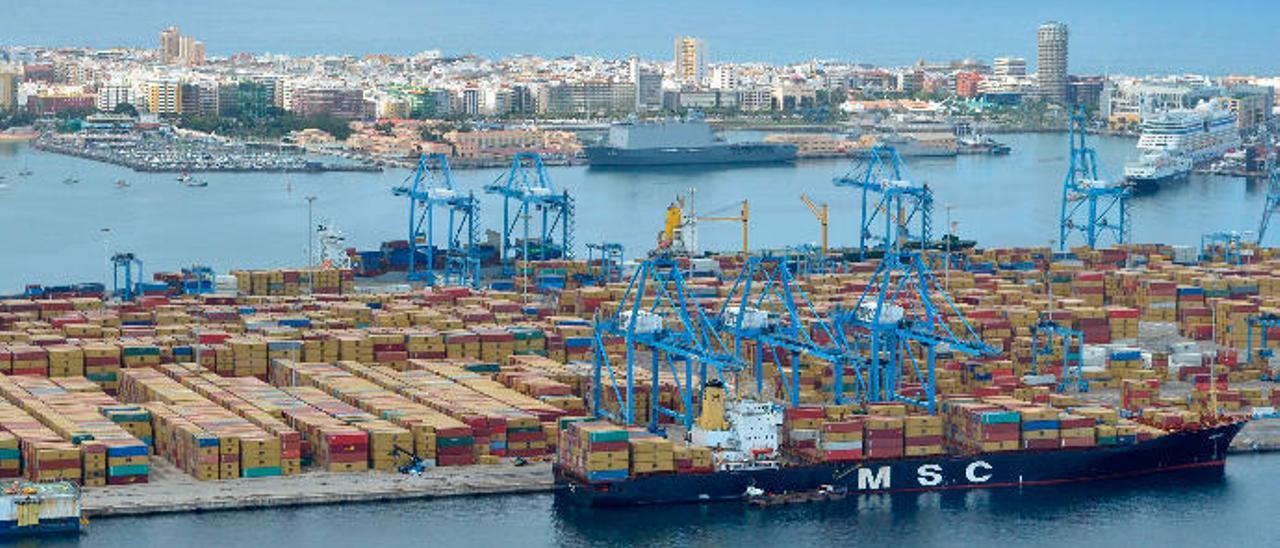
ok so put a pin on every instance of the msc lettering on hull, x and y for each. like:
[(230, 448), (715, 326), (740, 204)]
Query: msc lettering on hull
[(927, 475)]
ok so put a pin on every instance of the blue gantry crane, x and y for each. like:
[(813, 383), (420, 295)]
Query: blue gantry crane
[(1260, 324), (427, 191), (657, 318), (1273, 190), (1047, 334), (1093, 207), (900, 322), (526, 191), (1228, 241), (904, 207), (610, 268), (198, 280), (124, 266), (904, 317), (766, 306)]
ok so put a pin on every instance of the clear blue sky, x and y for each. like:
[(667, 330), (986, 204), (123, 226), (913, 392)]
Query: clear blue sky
[(1116, 36)]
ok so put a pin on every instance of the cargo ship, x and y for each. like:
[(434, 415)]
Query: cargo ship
[(29, 509), (680, 142), (748, 463)]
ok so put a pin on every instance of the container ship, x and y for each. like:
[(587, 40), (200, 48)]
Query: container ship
[(751, 449), (1175, 142), (680, 142)]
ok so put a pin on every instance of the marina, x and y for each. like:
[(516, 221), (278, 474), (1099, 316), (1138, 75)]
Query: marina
[(176, 155)]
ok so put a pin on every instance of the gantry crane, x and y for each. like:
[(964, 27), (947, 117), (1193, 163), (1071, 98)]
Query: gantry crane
[(1229, 241), (1091, 206), (770, 319), (1047, 334), (610, 269), (128, 265), (904, 316), (1273, 187), (657, 317), (905, 207), (528, 185), (427, 191)]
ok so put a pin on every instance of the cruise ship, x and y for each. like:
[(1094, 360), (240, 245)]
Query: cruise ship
[(1174, 142), (680, 142)]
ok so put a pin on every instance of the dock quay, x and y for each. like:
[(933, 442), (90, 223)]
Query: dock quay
[(171, 491)]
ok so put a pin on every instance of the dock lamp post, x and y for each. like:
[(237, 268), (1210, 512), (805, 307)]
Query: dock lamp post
[(311, 198)]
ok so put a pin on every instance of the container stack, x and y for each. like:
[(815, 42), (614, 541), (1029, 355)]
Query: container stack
[(800, 428), (139, 355), (437, 438), (923, 435), (66, 361), (842, 440), (1077, 431), (1040, 428), (10, 454), (389, 446), (108, 453), (596, 451), (649, 454), (692, 459), (885, 437), (205, 439), (251, 399), (27, 359), (45, 455), (977, 427), (1158, 300)]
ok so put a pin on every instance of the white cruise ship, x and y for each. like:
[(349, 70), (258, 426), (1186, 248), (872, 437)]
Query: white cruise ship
[(1175, 141)]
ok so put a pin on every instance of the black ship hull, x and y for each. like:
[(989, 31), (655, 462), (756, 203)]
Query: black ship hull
[(1203, 449), (1144, 185), (738, 153)]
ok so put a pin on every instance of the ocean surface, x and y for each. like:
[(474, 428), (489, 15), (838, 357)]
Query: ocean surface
[(1106, 37), (1235, 509), (51, 233)]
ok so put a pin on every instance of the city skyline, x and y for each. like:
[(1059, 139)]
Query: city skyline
[(873, 33)]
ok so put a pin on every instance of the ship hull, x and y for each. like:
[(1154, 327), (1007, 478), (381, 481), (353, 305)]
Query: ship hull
[(1180, 451), (46, 527), (747, 153), (1145, 184)]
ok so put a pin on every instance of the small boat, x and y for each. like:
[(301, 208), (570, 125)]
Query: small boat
[(197, 183), (184, 177), (71, 180), (758, 497), (121, 183), (26, 169)]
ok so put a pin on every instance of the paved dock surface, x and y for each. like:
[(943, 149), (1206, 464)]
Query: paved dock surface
[(170, 490)]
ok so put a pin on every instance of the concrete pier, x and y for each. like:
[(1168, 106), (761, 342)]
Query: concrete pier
[(172, 491)]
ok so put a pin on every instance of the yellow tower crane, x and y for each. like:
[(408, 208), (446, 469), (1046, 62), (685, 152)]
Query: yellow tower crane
[(742, 218), (820, 213)]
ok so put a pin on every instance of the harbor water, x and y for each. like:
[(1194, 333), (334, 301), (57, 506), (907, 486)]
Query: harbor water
[(53, 231), (1231, 510)]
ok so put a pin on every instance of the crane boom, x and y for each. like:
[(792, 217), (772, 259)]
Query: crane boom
[(742, 218), (820, 213)]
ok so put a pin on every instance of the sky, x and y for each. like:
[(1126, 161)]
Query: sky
[(1171, 36)]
